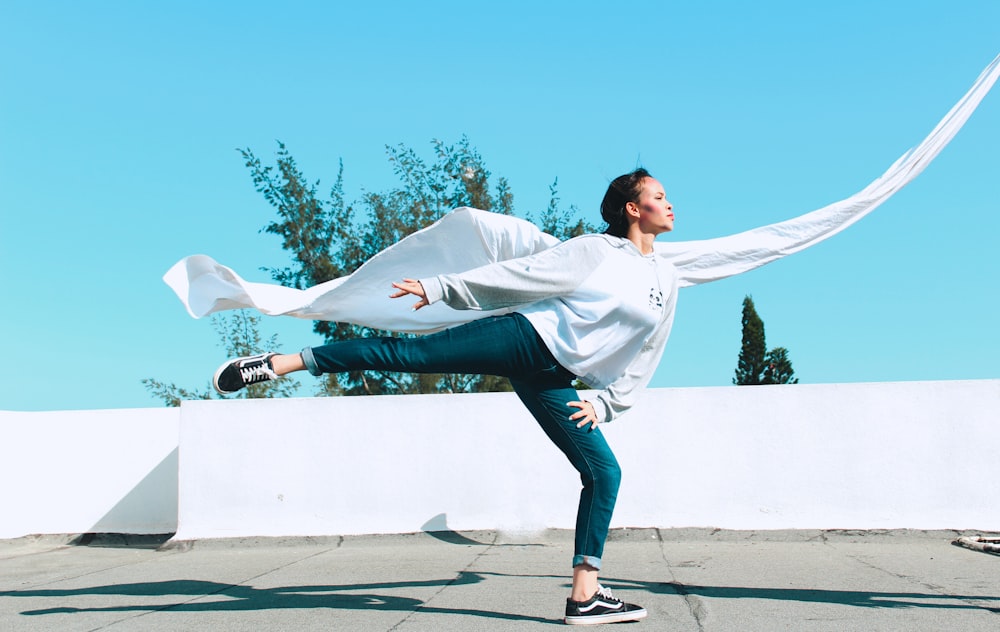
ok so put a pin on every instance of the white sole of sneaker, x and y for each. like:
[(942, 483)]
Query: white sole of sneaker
[(614, 617)]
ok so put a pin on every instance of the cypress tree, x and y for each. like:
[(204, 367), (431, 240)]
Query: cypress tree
[(753, 351)]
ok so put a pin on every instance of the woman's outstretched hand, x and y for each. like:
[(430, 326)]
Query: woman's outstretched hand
[(411, 286), (587, 415)]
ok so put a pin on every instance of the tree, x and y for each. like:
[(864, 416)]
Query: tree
[(564, 224), (239, 335), (779, 368), (750, 364), (327, 239), (755, 364)]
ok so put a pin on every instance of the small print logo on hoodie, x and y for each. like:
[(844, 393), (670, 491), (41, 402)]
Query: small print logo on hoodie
[(655, 298)]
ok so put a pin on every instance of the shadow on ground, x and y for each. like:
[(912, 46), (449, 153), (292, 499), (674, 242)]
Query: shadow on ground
[(857, 599), (236, 598), (233, 598)]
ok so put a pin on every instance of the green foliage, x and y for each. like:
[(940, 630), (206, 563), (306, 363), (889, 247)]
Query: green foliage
[(755, 364), (171, 394), (563, 224), (750, 365), (328, 238), (779, 368), (239, 335)]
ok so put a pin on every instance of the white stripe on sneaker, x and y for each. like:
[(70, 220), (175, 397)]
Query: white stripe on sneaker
[(616, 605)]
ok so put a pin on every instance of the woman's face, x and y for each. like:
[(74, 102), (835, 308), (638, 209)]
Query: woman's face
[(656, 213)]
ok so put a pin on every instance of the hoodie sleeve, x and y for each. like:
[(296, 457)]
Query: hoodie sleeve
[(553, 272)]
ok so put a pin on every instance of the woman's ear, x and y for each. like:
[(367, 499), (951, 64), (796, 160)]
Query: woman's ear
[(632, 209)]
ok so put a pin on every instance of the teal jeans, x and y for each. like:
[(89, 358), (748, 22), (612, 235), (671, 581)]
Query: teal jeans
[(507, 346)]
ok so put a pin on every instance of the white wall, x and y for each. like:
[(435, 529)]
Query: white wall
[(907, 455), (893, 455), (898, 455), (110, 471)]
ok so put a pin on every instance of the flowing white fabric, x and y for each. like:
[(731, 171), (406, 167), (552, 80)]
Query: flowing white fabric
[(464, 239), (468, 238)]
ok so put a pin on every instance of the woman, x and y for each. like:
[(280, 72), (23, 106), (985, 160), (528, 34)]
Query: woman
[(597, 307)]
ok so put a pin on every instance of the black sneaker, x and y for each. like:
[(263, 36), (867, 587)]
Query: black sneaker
[(242, 372), (603, 607)]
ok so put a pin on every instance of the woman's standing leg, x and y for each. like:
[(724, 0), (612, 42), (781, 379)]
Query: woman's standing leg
[(590, 454), (547, 395)]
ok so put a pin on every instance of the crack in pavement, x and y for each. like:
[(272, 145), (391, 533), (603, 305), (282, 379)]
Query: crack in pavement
[(696, 607), (458, 576), (223, 589)]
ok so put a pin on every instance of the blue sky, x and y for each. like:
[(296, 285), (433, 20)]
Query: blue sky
[(119, 124)]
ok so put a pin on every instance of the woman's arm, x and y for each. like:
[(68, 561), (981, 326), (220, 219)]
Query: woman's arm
[(553, 272)]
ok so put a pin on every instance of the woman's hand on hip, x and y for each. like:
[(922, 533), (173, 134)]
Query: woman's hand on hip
[(587, 415), (411, 286)]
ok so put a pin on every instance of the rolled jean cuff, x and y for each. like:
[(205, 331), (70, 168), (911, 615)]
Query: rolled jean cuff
[(310, 361), (589, 560)]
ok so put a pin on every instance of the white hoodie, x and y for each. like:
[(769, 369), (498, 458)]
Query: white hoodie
[(601, 307)]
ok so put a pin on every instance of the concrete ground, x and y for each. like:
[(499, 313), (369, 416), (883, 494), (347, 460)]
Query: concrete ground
[(688, 579)]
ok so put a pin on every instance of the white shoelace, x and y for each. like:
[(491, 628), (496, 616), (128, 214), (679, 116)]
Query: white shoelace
[(260, 373), (606, 593)]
